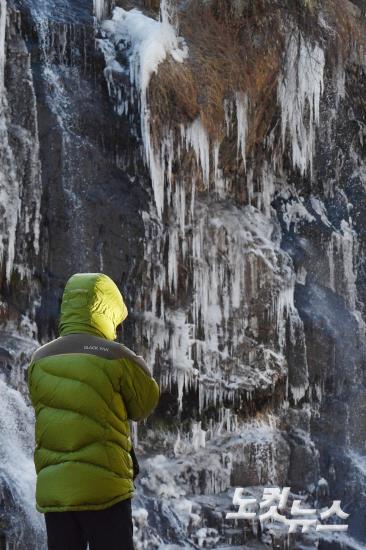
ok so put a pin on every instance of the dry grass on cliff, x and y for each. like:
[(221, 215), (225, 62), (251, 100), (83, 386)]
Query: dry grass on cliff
[(349, 27), (223, 59), (230, 53)]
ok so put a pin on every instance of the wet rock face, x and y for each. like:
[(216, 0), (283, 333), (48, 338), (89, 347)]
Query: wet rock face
[(245, 284), (92, 197), (329, 297), (20, 177)]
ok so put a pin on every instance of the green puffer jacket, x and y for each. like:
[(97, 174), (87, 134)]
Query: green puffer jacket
[(85, 388)]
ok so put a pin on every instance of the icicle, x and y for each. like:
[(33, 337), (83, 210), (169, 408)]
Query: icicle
[(284, 306), (241, 101), (2, 42), (196, 136), (177, 444), (343, 246), (228, 110), (339, 79), (198, 436), (319, 207), (100, 9), (301, 84), (330, 254), (134, 433), (298, 392), (268, 189)]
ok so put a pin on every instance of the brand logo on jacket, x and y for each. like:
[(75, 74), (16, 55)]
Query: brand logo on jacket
[(95, 348)]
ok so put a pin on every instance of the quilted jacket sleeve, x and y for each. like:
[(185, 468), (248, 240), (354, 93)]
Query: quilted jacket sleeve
[(140, 391)]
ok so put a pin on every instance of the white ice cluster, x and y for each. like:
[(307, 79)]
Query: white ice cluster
[(228, 248), (299, 90)]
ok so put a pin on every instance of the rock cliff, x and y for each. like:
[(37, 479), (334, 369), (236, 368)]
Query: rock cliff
[(209, 157)]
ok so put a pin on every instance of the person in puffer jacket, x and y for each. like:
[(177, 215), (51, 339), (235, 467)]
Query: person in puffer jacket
[(85, 387)]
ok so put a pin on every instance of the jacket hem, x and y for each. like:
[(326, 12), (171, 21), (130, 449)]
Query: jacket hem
[(81, 507)]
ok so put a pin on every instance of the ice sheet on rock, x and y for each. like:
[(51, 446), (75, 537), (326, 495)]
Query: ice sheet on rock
[(218, 272), (359, 461), (207, 537), (204, 268), (342, 540), (10, 185), (296, 213), (15, 211), (342, 256), (319, 207), (61, 11)]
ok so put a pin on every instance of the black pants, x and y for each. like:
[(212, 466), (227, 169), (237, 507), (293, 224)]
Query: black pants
[(110, 529)]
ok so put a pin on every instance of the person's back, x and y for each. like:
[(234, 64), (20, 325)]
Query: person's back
[(85, 388)]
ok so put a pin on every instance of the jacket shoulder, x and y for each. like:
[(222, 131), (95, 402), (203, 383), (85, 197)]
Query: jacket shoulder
[(123, 352), (87, 343), (42, 351)]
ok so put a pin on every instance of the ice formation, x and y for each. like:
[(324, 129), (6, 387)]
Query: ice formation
[(225, 246), (296, 213), (9, 196), (99, 9), (2, 42), (299, 90), (241, 100), (342, 251), (149, 43), (16, 442)]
